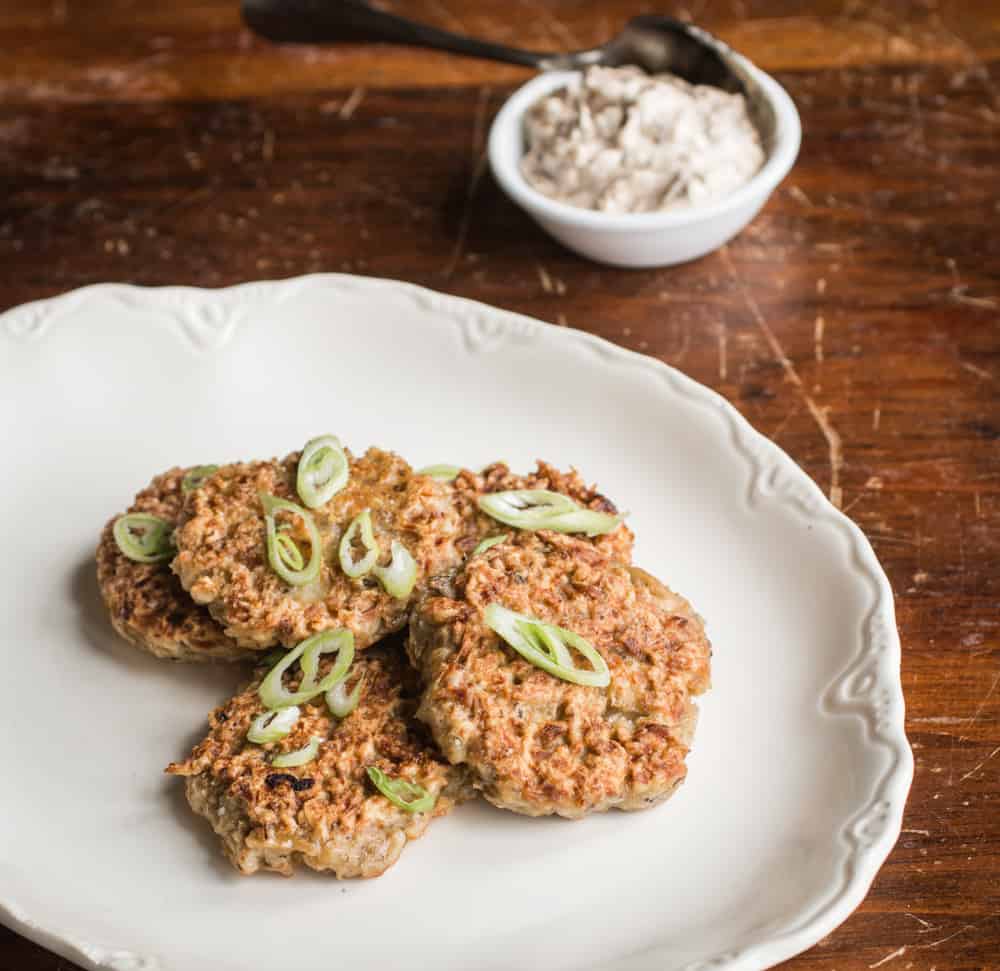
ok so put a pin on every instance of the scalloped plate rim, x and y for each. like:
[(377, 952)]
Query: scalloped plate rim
[(862, 863)]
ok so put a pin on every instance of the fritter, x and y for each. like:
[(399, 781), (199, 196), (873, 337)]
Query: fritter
[(222, 557), (326, 814), (537, 744), (147, 604), (469, 486)]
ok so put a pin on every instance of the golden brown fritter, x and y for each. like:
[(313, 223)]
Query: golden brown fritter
[(222, 555), (147, 604), (537, 744), (476, 525), (326, 814)]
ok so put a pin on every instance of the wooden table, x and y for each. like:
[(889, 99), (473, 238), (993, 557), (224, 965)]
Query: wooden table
[(855, 322)]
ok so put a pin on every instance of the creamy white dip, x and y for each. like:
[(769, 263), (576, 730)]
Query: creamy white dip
[(625, 141)]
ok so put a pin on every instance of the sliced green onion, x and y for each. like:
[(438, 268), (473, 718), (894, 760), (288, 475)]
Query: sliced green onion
[(399, 577), (299, 757), (442, 473), (144, 538), (273, 726), (489, 543), (590, 522), (196, 477), (275, 695), (340, 703), (542, 509), (283, 553), (361, 524), (323, 471), (410, 796), (525, 508), (547, 646), (288, 552)]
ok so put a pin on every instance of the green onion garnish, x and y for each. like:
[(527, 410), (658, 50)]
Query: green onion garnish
[(340, 703), (273, 726), (361, 524), (299, 757), (144, 538), (547, 646), (399, 577), (442, 473), (410, 796), (196, 477), (283, 553), (542, 509), (272, 691), (490, 543), (323, 471)]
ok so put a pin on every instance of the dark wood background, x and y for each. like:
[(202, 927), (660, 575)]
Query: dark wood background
[(855, 322)]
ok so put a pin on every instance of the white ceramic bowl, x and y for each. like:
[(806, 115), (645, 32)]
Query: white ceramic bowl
[(653, 238)]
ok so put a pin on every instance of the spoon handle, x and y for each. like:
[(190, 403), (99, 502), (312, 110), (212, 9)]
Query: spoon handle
[(320, 21)]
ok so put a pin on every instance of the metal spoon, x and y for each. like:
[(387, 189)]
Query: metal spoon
[(651, 42)]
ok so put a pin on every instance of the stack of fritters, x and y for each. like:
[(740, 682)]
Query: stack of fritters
[(450, 709)]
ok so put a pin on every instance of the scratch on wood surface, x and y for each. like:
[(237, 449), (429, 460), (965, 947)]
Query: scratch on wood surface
[(478, 131), (677, 356), (446, 15), (792, 412), (889, 957), (919, 832), (561, 320), (950, 937), (972, 772), (267, 146), (959, 291), (876, 419), (821, 285), (352, 104), (978, 507), (723, 338), (982, 705), (818, 329), (820, 415), (555, 26), (799, 196), (977, 371), (544, 278)]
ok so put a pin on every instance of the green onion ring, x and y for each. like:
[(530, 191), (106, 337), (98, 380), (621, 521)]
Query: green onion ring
[(407, 795), (340, 703), (283, 553), (273, 725), (288, 552), (441, 473), (272, 691), (590, 522), (195, 478), (299, 757), (400, 576), (490, 542), (362, 523), (543, 509), (547, 646), (323, 471), (144, 538)]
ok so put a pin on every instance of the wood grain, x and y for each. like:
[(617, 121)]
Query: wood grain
[(855, 322)]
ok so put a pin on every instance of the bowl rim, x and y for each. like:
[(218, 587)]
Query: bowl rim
[(507, 124)]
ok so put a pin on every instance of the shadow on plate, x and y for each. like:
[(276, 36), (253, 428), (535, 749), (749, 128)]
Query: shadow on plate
[(95, 627)]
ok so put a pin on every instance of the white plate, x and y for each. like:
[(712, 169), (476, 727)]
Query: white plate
[(800, 767)]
